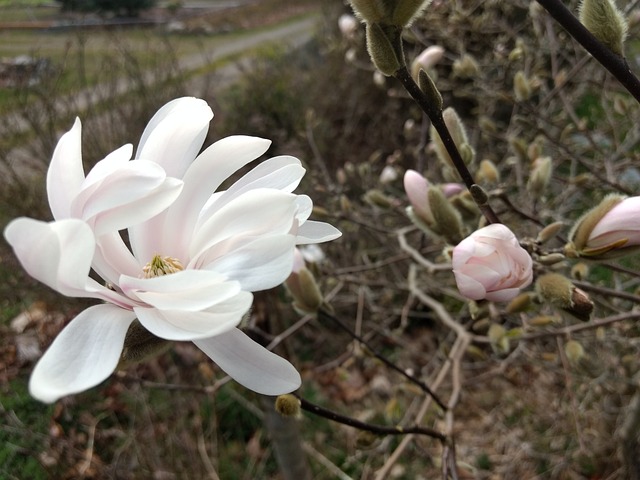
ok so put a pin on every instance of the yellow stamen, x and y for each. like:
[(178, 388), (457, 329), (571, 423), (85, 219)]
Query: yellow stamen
[(159, 266)]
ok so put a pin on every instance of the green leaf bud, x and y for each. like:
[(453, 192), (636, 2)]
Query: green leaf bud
[(426, 84), (458, 133), (446, 218), (606, 22), (384, 44), (407, 11), (371, 11)]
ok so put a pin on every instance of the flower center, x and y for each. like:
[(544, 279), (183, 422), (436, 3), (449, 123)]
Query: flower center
[(159, 266)]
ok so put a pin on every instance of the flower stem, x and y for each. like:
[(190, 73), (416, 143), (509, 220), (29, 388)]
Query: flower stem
[(369, 427), (324, 315), (614, 63), (435, 115)]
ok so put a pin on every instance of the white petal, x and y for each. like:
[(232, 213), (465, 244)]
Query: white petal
[(182, 325), (250, 364), (113, 258), (58, 254), (84, 354), (264, 263), (108, 165), (65, 174), (204, 176), (175, 134), (191, 290), (257, 212), (316, 232)]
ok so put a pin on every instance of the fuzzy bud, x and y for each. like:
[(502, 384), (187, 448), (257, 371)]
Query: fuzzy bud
[(558, 291), (377, 198), (384, 44), (446, 218), (302, 286), (140, 344), (427, 59), (288, 405), (459, 135), (540, 175), (519, 304), (429, 88), (488, 172), (548, 232), (606, 22), (499, 339), (574, 351), (580, 271), (465, 67), (521, 86)]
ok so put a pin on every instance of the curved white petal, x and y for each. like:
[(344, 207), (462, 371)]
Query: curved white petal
[(84, 354), (261, 264), (182, 325), (305, 208), (204, 176), (175, 134), (282, 173), (113, 258), (316, 232), (256, 212), (117, 159), (58, 254), (250, 364), (190, 290), (65, 174)]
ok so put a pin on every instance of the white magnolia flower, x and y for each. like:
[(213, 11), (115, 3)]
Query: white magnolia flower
[(195, 255)]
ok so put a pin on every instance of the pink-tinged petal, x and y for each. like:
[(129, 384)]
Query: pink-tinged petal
[(504, 295), (84, 354), (417, 188), (65, 174), (182, 325), (57, 254), (175, 134), (250, 364), (316, 232), (264, 263), (190, 290), (469, 287), (113, 258), (621, 222), (256, 212), (204, 176)]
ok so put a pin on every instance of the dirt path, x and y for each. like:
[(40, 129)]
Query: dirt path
[(292, 34)]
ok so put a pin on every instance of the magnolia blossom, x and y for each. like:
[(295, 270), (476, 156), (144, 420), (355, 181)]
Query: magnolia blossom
[(490, 264), (427, 59), (195, 253), (620, 223)]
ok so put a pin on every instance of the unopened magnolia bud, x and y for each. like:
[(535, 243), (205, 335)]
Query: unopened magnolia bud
[(580, 271), (488, 172), (608, 230), (427, 59), (372, 11), (384, 44), (430, 90), (499, 339), (140, 344), (548, 232), (465, 67), (551, 258), (377, 198), (521, 86), (288, 405), (574, 351), (478, 194), (558, 290), (459, 135), (540, 175), (606, 22), (446, 218), (305, 291), (519, 304), (407, 11), (543, 320)]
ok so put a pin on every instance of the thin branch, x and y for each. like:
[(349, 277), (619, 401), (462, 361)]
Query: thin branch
[(614, 63), (324, 315), (369, 427)]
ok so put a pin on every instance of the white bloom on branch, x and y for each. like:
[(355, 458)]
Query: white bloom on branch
[(196, 253)]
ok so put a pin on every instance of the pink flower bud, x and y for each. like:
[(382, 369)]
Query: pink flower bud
[(417, 188), (451, 189), (620, 223), (490, 264)]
